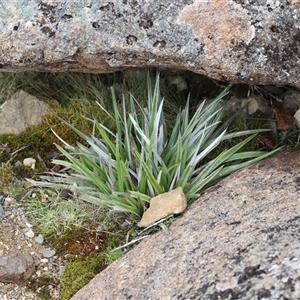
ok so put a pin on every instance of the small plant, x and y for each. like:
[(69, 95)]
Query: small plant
[(123, 170)]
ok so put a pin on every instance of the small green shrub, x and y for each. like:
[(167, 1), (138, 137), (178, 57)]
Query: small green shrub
[(123, 170)]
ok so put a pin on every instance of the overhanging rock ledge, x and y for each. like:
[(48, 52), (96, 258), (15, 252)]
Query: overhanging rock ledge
[(241, 41)]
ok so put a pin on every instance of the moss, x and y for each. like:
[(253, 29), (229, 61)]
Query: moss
[(6, 176), (82, 268), (79, 272), (84, 261), (295, 162)]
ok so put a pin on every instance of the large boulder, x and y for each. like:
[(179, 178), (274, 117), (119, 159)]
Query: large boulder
[(254, 42), (240, 240)]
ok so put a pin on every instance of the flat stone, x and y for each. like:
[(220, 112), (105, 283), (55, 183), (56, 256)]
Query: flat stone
[(164, 205), (29, 233), (39, 239), (16, 267), (48, 253), (239, 240)]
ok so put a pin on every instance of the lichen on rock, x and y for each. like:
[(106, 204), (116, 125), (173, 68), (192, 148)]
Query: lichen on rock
[(218, 24)]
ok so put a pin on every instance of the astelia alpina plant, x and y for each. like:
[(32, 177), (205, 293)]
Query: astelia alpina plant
[(123, 170)]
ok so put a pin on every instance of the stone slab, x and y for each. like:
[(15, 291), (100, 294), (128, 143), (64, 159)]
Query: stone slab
[(254, 42), (240, 240)]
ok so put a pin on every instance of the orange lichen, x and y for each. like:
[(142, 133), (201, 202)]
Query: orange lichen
[(218, 24)]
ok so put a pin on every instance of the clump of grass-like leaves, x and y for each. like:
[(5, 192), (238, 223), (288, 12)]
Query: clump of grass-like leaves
[(123, 170)]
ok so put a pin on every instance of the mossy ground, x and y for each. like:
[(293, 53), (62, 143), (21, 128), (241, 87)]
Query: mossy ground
[(83, 268), (73, 97)]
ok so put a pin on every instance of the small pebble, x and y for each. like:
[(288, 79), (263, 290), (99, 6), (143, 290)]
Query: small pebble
[(39, 239), (7, 213), (30, 233), (25, 220), (48, 253), (61, 270), (50, 199), (44, 260), (17, 164), (65, 194), (29, 162)]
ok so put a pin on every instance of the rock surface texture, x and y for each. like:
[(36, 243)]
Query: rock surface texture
[(240, 240), (254, 42)]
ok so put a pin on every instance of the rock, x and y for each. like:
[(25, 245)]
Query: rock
[(239, 240), (2, 211), (16, 267), (21, 111), (17, 164), (164, 205), (255, 42), (39, 239), (48, 253), (179, 83), (65, 194), (29, 162), (256, 104), (29, 233), (297, 117)]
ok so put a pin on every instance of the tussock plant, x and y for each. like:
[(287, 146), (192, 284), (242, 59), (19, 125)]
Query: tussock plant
[(122, 170)]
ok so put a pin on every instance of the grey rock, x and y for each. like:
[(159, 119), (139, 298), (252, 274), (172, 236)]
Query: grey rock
[(2, 211), (239, 41), (39, 239), (7, 213), (16, 267), (17, 164), (20, 111), (241, 240), (48, 253)]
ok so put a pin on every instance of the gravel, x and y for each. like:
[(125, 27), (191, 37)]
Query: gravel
[(17, 235)]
